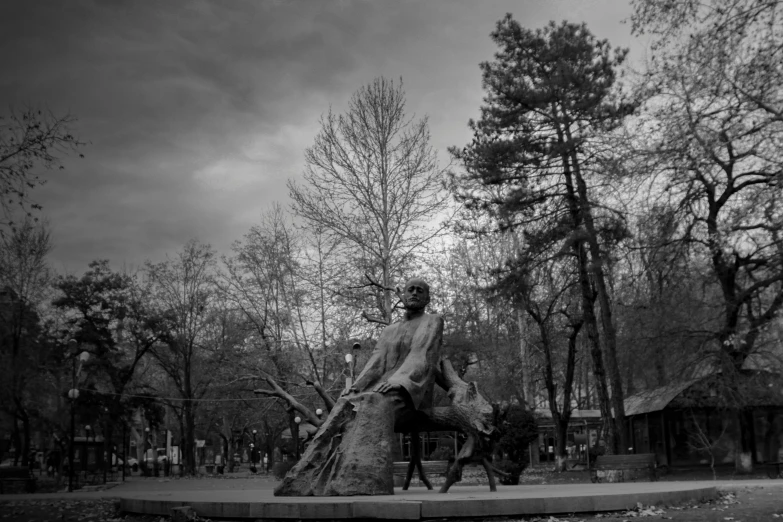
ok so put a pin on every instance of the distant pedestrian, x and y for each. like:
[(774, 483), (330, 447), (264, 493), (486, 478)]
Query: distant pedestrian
[(49, 464)]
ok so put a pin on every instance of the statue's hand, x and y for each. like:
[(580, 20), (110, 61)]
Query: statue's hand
[(386, 387)]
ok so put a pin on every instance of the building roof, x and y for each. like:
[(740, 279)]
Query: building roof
[(756, 388), (656, 399)]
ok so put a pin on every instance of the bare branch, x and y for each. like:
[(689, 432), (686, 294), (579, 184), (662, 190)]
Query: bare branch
[(375, 319), (294, 404)]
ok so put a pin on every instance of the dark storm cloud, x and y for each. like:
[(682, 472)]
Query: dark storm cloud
[(162, 91), (196, 113)]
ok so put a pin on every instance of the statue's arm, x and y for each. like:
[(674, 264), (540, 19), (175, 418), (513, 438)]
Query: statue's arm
[(440, 375), (373, 370)]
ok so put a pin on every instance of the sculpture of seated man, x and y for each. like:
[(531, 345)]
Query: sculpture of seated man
[(351, 454)]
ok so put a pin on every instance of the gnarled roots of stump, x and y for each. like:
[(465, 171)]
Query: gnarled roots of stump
[(351, 453)]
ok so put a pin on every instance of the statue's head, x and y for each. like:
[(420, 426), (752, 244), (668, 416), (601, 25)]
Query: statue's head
[(416, 294)]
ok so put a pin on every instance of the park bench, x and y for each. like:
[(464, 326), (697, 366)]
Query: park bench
[(431, 467), (16, 479), (774, 469), (622, 463), (94, 476)]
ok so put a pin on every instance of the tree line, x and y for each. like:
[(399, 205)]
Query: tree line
[(604, 231)]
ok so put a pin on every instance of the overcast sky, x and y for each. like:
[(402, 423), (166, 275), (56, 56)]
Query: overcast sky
[(197, 112)]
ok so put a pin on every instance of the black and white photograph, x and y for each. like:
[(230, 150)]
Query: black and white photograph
[(455, 260)]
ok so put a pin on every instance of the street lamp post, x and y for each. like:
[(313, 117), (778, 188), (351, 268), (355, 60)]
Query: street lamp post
[(350, 360), (297, 420), (146, 459), (106, 446), (124, 448), (349, 379), (254, 452), (73, 394), (87, 430), (167, 456)]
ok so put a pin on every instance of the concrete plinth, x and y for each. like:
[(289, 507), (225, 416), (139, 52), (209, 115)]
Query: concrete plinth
[(419, 503)]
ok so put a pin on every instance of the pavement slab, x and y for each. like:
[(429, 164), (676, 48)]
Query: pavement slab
[(254, 499), (419, 503)]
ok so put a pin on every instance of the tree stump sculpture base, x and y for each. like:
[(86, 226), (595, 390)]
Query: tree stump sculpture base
[(352, 452)]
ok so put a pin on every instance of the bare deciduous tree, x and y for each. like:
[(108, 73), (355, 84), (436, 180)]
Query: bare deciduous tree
[(29, 139), (710, 155), (24, 278), (183, 290), (373, 182)]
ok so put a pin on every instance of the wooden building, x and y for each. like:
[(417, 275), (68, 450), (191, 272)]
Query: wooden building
[(689, 422), (584, 428)]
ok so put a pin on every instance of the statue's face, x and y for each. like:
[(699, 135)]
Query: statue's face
[(416, 294)]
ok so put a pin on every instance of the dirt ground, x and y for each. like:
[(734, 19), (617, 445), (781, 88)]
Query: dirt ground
[(60, 511), (744, 505)]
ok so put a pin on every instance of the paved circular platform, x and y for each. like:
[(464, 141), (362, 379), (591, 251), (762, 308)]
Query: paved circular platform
[(419, 503)]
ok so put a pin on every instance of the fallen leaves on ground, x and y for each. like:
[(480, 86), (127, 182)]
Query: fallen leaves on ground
[(641, 511), (60, 510)]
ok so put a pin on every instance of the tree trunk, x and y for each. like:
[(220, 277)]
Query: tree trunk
[(17, 443), (744, 455), (230, 455), (26, 439), (140, 443), (596, 354), (269, 449), (107, 448), (524, 353), (227, 448), (189, 451), (586, 370), (562, 420), (181, 423), (599, 279), (585, 285), (59, 465), (561, 435)]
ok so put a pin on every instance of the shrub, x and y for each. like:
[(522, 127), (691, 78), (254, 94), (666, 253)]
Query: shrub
[(594, 452), (518, 428), (512, 468)]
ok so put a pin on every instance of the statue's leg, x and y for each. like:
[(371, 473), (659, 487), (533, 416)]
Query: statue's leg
[(490, 474), (416, 440), (351, 454), (412, 462)]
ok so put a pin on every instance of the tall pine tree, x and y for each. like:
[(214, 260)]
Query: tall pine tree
[(550, 96)]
